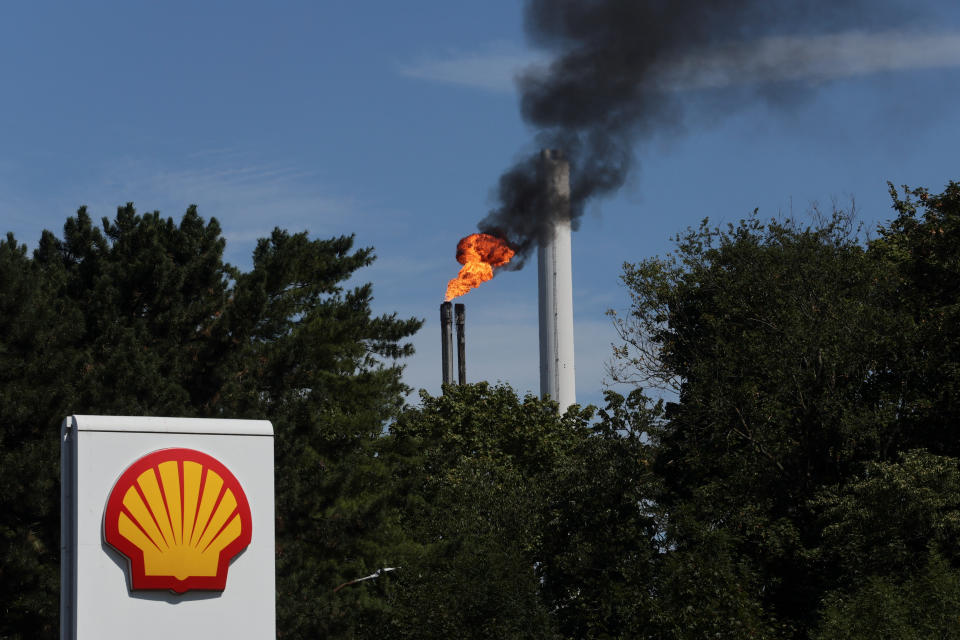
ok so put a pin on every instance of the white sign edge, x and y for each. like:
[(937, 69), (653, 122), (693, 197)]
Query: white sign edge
[(153, 424)]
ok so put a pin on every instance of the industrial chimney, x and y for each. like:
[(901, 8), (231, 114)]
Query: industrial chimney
[(555, 277), (460, 315), (446, 341), (449, 311)]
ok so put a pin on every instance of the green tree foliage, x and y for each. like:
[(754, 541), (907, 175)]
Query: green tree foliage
[(527, 523), (799, 359), (922, 245), (477, 460), (770, 332), (893, 533), (600, 547), (141, 316), (886, 520), (925, 605), (801, 478), (35, 393)]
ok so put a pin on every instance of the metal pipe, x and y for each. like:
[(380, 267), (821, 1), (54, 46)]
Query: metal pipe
[(446, 341), (555, 288), (460, 314)]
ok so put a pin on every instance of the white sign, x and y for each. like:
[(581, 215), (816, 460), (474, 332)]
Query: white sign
[(167, 529)]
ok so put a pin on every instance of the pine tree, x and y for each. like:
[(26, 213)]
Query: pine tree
[(141, 316)]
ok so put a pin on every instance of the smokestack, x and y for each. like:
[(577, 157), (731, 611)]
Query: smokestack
[(446, 341), (555, 281), (460, 314)]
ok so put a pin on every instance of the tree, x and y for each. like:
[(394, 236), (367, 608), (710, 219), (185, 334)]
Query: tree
[(475, 463), (925, 605), (601, 549), (141, 316), (799, 358), (35, 376), (526, 523), (921, 244), (773, 339), (894, 532)]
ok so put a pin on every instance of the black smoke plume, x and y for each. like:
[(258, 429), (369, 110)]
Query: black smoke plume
[(620, 73)]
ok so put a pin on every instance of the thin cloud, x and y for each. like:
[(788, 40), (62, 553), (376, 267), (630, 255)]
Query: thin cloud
[(492, 70), (811, 59), (249, 200), (779, 59)]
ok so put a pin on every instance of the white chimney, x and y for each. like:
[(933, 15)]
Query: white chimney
[(557, 377)]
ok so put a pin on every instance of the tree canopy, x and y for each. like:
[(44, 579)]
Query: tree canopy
[(141, 316), (798, 476), (813, 426)]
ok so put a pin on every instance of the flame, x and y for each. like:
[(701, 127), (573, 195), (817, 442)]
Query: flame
[(479, 253)]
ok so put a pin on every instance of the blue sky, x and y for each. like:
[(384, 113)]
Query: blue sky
[(394, 120)]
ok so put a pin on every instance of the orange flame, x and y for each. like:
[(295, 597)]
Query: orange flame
[(479, 253)]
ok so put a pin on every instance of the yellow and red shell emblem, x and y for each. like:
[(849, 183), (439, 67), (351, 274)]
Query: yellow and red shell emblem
[(180, 517)]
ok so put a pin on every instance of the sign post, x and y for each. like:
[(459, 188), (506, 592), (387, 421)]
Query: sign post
[(166, 529)]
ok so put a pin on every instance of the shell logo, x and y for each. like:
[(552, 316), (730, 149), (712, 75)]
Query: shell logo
[(180, 517)]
